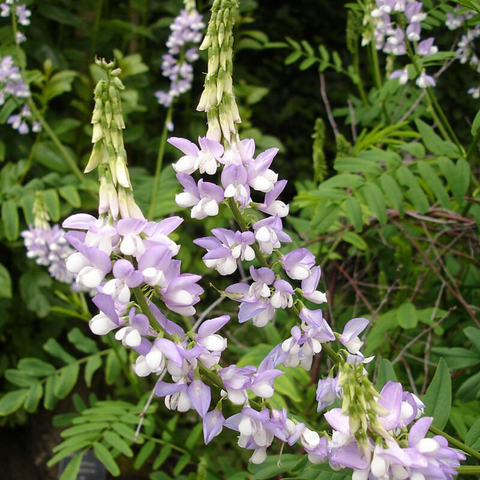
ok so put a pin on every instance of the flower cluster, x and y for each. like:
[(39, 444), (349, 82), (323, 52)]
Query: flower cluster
[(47, 244), (13, 87), (466, 48), (177, 63), (142, 293), (21, 13), (401, 449), (394, 24)]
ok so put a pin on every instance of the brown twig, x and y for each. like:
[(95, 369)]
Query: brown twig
[(323, 92)]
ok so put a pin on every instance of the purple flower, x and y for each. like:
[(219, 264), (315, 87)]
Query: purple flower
[(108, 319), (310, 284), (182, 293), (298, 263), (425, 81), (396, 43), (413, 12), (212, 425), (402, 76), (269, 233), (200, 396), (212, 343), (204, 198), (234, 181), (205, 160), (427, 48), (413, 32), (327, 392), (283, 295), (260, 177), (272, 206), (138, 327), (349, 337), (90, 264), (126, 277), (236, 380)]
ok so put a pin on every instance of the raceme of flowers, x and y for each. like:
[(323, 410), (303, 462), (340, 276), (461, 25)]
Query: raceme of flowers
[(141, 291), (22, 15), (394, 23), (177, 63), (47, 244), (466, 48), (13, 86)]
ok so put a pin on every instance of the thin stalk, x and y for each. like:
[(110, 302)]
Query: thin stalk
[(377, 76), (48, 130), (468, 470), (356, 63), (443, 124), (96, 27), (163, 442), (455, 442), (158, 167), (71, 162), (474, 144), (30, 159)]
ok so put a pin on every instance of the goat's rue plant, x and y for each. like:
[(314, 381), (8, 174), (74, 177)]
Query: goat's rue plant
[(148, 309), (131, 263)]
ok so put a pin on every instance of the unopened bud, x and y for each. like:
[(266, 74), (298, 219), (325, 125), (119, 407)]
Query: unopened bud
[(221, 34), (97, 132)]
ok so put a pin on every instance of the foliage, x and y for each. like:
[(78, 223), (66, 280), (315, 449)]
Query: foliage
[(388, 203)]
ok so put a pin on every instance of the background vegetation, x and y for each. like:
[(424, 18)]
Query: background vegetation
[(390, 209)]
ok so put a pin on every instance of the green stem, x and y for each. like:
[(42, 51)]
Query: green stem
[(30, 159), (377, 76), (356, 62), (443, 124), (474, 144), (455, 442), (96, 27), (163, 442), (48, 130), (140, 298), (158, 168), (71, 162), (468, 470)]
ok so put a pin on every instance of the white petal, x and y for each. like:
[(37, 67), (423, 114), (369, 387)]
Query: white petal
[(186, 199), (101, 324), (262, 389), (263, 234), (133, 338), (211, 208)]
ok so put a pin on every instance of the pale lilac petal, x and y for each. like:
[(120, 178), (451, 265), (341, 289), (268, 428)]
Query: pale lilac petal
[(162, 389), (80, 221), (200, 396), (170, 350), (106, 304), (184, 145), (209, 327), (212, 425)]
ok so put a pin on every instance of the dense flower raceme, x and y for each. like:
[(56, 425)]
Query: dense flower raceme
[(49, 248), (393, 24), (120, 252), (466, 47), (387, 414), (13, 87), (182, 53), (21, 13)]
